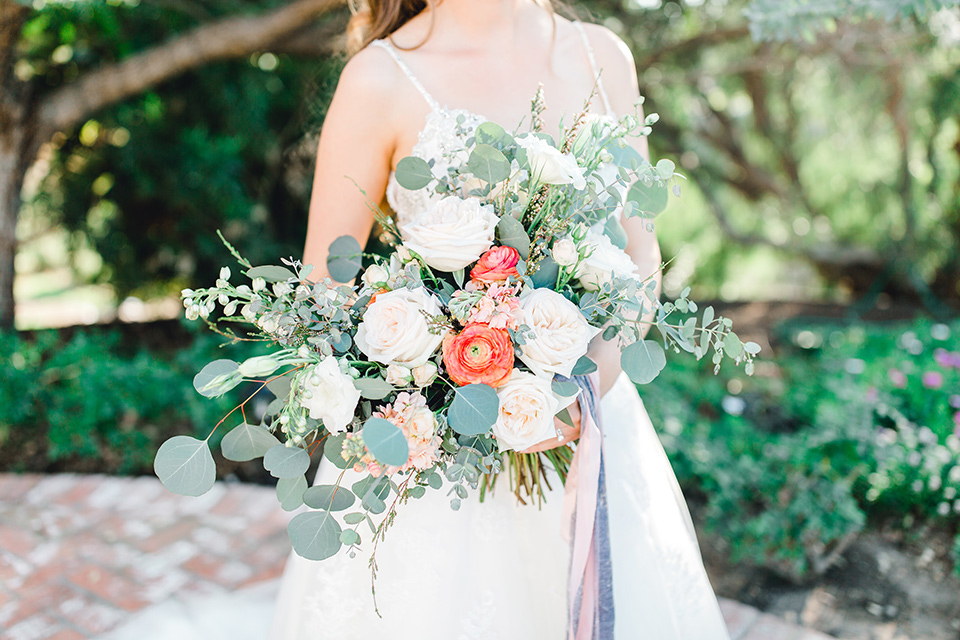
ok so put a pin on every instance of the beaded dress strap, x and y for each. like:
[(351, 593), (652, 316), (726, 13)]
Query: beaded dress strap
[(392, 50), (593, 66)]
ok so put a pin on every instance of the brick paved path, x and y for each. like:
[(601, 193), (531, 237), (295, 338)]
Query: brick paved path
[(79, 555)]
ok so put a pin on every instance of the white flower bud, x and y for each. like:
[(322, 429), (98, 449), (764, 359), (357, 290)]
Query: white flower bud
[(230, 308), (223, 298), (243, 289), (186, 293), (424, 374), (202, 310), (193, 312), (374, 275), (224, 273), (259, 284), (258, 366), (565, 252), (398, 375)]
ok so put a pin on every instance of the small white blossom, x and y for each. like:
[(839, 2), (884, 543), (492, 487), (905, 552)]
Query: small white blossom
[(224, 273), (259, 284)]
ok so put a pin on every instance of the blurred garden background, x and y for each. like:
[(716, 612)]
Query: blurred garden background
[(821, 144)]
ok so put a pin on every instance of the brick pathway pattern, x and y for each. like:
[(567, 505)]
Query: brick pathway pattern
[(79, 555)]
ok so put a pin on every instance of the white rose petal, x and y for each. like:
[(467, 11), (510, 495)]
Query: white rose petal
[(561, 335), (424, 374), (398, 375), (548, 165), (452, 233), (395, 331), (565, 252), (605, 261), (329, 395), (527, 410)]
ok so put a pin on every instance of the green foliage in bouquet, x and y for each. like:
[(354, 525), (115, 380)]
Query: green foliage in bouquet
[(448, 359)]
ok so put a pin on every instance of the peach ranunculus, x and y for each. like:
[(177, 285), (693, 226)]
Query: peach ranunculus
[(496, 265), (478, 354)]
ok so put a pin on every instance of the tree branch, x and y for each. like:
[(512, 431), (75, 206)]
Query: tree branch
[(231, 37)]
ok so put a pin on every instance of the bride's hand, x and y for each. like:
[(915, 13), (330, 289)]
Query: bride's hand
[(569, 433)]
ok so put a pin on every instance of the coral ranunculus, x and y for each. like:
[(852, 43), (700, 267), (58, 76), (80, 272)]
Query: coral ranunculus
[(479, 354), (496, 265)]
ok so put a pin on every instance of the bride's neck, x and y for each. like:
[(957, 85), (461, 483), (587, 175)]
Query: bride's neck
[(497, 23)]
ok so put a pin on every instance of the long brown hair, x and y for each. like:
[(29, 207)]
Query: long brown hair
[(376, 19)]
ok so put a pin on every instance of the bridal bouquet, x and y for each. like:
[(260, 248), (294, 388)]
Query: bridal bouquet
[(450, 356)]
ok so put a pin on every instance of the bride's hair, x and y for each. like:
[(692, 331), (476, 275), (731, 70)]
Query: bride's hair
[(376, 19)]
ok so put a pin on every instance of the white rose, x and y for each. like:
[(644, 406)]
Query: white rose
[(329, 395), (398, 375), (548, 165), (605, 261), (395, 331), (452, 233), (527, 410), (374, 275), (561, 335), (565, 252), (424, 374), (421, 424)]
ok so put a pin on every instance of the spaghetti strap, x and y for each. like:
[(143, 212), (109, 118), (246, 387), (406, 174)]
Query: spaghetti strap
[(593, 66), (392, 50)]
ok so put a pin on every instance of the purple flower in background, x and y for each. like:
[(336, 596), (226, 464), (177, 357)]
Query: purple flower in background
[(898, 378), (872, 394), (955, 401), (956, 421), (932, 380), (946, 358)]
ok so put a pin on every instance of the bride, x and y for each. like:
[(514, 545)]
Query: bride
[(422, 77)]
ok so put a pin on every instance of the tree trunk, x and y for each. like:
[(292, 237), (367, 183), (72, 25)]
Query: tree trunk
[(25, 123), (13, 100)]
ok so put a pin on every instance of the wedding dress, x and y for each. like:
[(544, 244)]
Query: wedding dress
[(497, 570)]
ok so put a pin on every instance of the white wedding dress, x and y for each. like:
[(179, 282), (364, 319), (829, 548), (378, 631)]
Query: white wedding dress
[(497, 570)]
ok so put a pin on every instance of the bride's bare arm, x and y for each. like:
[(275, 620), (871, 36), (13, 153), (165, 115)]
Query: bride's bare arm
[(355, 152)]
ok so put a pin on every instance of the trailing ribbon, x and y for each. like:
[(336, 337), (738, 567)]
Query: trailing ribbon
[(590, 585)]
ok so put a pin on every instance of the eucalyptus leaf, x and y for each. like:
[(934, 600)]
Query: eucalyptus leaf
[(490, 133), (246, 442), (279, 386), (584, 366), (344, 258), (665, 168), (315, 535), (650, 199), (564, 389), (349, 537), (185, 466), (474, 409), (373, 388), (354, 518), (271, 273), (488, 164), (217, 378), (290, 492), (329, 497), (564, 416), (732, 346), (512, 234), (286, 462), (333, 451), (413, 173), (643, 361), (546, 274), (386, 442), (615, 232)]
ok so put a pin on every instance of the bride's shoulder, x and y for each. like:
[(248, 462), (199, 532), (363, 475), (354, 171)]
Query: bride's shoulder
[(370, 74), (617, 63)]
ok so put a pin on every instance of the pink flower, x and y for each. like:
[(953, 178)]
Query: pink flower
[(872, 394), (478, 354), (898, 378), (499, 308), (947, 358), (932, 380), (496, 265)]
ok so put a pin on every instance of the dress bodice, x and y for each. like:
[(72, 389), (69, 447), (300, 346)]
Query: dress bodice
[(444, 134)]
